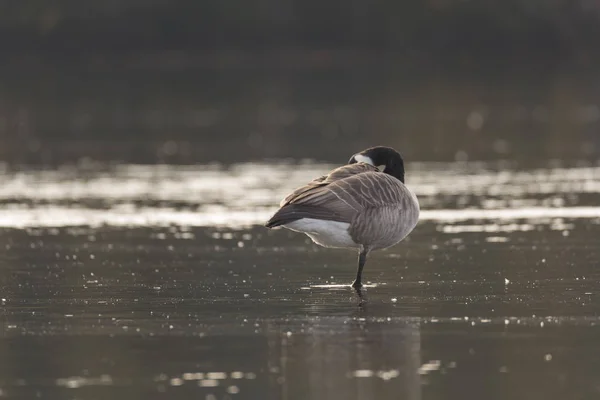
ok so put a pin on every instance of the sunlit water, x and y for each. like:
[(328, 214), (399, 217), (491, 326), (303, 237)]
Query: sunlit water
[(158, 282), (246, 194)]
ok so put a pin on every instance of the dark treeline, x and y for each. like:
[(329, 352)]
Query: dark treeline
[(229, 80), (444, 29)]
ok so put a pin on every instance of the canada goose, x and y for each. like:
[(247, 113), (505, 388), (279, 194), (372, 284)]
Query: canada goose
[(363, 205)]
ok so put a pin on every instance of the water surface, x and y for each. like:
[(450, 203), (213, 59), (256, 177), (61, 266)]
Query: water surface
[(158, 282)]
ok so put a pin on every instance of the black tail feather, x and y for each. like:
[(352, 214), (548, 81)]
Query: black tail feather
[(293, 212)]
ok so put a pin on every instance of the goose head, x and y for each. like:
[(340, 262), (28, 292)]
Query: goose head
[(385, 159)]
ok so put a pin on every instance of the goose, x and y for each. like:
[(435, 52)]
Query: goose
[(362, 205)]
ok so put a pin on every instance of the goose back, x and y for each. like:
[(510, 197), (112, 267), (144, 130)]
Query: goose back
[(379, 209)]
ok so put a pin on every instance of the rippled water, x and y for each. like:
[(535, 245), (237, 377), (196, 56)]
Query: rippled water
[(246, 194), (156, 282)]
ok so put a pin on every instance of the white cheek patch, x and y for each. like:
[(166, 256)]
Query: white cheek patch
[(364, 159), (381, 167)]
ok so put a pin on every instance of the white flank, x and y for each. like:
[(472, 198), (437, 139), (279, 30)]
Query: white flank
[(324, 233)]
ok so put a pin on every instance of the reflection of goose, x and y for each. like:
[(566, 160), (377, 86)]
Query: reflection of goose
[(363, 205), (345, 358)]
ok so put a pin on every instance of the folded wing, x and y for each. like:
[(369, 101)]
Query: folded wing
[(340, 196)]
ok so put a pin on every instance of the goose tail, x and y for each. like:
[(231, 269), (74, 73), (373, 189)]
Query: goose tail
[(294, 212)]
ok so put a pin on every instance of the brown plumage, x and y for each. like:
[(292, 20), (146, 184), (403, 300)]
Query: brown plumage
[(355, 206)]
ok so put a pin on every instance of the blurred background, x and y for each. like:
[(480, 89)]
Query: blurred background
[(123, 277), (227, 81)]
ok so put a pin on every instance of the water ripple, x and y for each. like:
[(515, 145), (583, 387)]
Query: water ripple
[(247, 194)]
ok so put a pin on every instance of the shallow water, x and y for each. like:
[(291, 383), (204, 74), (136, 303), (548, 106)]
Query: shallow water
[(156, 282)]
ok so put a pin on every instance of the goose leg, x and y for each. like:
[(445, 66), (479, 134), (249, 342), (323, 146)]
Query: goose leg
[(362, 259)]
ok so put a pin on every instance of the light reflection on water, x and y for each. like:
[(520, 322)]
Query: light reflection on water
[(151, 282), (246, 194), (329, 358)]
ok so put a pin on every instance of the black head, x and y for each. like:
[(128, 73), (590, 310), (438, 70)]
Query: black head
[(384, 158)]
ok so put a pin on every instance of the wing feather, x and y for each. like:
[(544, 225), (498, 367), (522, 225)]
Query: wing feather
[(335, 175), (341, 195)]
